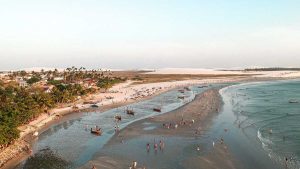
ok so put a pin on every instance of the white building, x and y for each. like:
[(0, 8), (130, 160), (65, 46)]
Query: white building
[(23, 83)]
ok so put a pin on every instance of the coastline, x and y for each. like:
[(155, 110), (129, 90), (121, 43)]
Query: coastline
[(16, 154), (120, 101), (202, 110)]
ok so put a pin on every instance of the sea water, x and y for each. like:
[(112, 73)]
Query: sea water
[(263, 113)]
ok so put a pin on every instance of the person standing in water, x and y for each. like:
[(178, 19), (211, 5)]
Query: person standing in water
[(148, 147), (161, 145)]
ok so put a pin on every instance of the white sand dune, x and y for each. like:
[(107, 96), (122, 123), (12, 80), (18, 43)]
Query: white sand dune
[(194, 71)]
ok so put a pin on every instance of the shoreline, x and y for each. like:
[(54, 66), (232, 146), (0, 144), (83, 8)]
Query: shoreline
[(44, 121), (201, 110), (167, 86)]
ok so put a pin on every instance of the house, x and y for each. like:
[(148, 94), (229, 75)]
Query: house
[(22, 83), (58, 78)]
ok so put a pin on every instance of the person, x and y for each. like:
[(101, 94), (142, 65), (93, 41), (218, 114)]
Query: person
[(222, 140), (148, 147), (161, 145), (93, 167), (155, 147), (213, 144), (134, 164), (198, 148)]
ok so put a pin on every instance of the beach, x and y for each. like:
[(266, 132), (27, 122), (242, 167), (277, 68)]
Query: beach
[(118, 95), (192, 119), (126, 94)]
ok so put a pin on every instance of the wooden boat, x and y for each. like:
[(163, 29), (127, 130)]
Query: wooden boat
[(75, 107), (181, 91), (157, 109), (97, 131), (118, 118), (186, 88), (130, 112), (181, 97), (94, 106)]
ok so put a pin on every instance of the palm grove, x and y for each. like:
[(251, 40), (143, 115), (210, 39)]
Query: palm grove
[(20, 105)]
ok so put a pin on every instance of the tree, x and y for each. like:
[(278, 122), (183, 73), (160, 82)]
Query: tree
[(34, 79)]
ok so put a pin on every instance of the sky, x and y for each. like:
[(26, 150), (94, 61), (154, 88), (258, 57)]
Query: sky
[(136, 34)]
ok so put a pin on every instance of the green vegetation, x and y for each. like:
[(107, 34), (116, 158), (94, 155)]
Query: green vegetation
[(106, 82), (34, 79), (19, 106)]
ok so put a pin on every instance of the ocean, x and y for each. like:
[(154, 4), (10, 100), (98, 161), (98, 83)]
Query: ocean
[(267, 114)]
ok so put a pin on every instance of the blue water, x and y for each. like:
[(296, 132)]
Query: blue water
[(262, 114)]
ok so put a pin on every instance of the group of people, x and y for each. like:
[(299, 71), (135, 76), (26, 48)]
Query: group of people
[(160, 145), (170, 125), (182, 123)]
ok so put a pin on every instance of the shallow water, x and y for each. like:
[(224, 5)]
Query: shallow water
[(73, 142), (262, 115)]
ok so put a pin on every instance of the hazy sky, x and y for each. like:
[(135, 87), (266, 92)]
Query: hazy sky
[(149, 33)]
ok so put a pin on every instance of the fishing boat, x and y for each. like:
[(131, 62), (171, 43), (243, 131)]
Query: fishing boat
[(157, 109), (181, 91), (75, 107), (96, 131), (130, 112), (94, 106), (181, 97), (187, 88), (202, 86), (118, 118)]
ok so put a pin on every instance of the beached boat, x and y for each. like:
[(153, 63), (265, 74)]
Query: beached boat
[(94, 106), (75, 107), (96, 131)]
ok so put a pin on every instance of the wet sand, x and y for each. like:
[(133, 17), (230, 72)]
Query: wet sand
[(182, 146)]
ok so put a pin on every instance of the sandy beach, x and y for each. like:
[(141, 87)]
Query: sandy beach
[(121, 94), (187, 123)]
